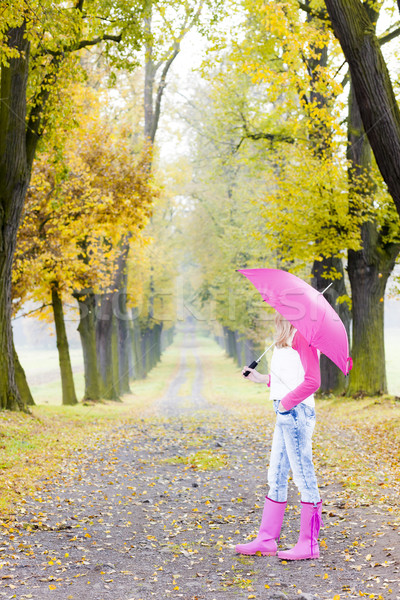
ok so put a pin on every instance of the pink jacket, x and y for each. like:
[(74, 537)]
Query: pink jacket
[(312, 376)]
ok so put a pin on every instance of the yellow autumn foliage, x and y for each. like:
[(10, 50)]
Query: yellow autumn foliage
[(86, 196)]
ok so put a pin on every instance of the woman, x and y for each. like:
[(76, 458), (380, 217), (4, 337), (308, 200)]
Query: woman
[(295, 376)]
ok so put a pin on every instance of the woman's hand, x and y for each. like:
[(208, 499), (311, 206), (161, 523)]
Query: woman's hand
[(254, 375)]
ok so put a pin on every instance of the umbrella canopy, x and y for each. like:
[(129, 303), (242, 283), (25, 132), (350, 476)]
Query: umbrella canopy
[(307, 310)]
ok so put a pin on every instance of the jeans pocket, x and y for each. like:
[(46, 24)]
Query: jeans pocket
[(284, 412), (309, 411)]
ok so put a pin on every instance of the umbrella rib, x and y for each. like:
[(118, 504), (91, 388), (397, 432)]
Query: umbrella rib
[(327, 288), (265, 351)]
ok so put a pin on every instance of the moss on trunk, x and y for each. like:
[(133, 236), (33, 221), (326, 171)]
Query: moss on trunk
[(67, 379), (87, 332), (136, 345), (354, 25), (124, 343), (21, 381), (15, 171), (107, 348), (368, 269)]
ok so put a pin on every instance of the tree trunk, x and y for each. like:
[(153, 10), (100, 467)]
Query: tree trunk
[(115, 357), (107, 350), (67, 380), (167, 336), (107, 329), (14, 180), (152, 106), (157, 342), (240, 349), (332, 378), (232, 343), (249, 352), (136, 346), (149, 75), (131, 359), (152, 350), (146, 348), (226, 344), (22, 384), (133, 371), (87, 332), (124, 345), (19, 137), (372, 86), (369, 270), (143, 352)]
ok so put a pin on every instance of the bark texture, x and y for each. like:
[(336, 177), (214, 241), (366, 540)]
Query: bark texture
[(153, 92), (107, 336), (124, 342), (87, 332), (67, 379), (20, 133), (332, 379), (105, 343), (138, 371), (22, 383), (369, 270), (372, 86), (14, 179)]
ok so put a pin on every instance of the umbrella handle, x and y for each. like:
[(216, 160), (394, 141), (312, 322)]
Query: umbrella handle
[(252, 366)]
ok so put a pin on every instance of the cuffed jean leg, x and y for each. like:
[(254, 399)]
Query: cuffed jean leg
[(279, 467), (297, 428)]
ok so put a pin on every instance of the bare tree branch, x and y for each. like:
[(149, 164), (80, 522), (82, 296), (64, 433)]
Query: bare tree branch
[(82, 44), (388, 37), (271, 137), (165, 62), (345, 79), (261, 135), (31, 312), (160, 90)]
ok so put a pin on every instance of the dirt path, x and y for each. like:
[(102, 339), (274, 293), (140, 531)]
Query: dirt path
[(135, 519), (175, 403)]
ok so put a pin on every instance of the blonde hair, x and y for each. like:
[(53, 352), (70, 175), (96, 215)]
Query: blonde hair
[(283, 331)]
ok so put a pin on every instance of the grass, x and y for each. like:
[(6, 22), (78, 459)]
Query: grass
[(223, 380), (42, 371), (41, 362), (51, 392)]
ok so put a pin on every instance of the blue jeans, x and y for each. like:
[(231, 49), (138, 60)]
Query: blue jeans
[(292, 450)]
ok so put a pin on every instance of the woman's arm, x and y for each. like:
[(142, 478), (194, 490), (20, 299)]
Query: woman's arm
[(312, 376), (256, 376)]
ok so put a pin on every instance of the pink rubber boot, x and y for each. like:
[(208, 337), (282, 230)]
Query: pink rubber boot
[(310, 524), (270, 528)]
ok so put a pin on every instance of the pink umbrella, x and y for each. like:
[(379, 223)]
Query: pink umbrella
[(307, 310)]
